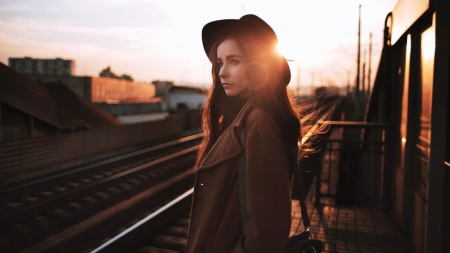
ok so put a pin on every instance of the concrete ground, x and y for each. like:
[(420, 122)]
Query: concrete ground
[(350, 228)]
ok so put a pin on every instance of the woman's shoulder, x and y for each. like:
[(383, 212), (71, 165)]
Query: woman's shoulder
[(258, 113), (258, 117), (253, 116)]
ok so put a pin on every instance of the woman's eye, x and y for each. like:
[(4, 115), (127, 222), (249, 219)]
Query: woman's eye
[(234, 62)]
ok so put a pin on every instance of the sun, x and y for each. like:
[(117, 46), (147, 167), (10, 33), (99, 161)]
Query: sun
[(284, 50)]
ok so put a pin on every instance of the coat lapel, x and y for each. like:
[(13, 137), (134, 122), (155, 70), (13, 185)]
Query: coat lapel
[(228, 145)]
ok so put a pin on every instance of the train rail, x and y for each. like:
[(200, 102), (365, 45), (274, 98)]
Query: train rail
[(53, 213), (165, 229)]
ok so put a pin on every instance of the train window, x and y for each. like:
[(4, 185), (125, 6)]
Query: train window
[(424, 88), (427, 64), (404, 112)]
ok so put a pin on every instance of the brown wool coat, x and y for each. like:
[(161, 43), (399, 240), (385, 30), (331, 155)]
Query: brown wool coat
[(215, 224)]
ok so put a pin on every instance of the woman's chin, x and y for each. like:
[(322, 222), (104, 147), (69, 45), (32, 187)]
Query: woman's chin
[(234, 93), (231, 93)]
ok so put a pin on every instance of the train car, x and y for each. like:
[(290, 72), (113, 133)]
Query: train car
[(411, 94)]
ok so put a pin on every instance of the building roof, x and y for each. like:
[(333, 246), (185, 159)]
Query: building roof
[(54, 104), (188, 88), (27, 96)]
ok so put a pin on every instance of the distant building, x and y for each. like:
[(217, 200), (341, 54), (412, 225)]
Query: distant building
[(184, 97), (162, 89), (104, 89), (121, 98), (30, 66), (127, 100), (179, 97)]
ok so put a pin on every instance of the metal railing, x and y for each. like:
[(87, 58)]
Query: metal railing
[(353, 164)]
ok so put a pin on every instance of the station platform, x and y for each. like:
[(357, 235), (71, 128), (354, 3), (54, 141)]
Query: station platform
[(344, 228)]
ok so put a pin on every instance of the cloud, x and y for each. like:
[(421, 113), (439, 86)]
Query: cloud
[(100, 13), (47, 30), (161, 39), (14, 7)]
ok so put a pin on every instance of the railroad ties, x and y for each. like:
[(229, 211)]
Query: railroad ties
[(172, 239)]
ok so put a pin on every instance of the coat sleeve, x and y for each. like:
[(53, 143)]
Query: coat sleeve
[(268, 188)]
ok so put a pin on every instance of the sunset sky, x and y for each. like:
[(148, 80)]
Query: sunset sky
[(150, 39)]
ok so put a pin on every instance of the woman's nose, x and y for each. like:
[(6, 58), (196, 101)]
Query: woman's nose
[(223, 72)]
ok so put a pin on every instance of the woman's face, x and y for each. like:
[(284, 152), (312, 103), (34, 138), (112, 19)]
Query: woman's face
[(232, 72)]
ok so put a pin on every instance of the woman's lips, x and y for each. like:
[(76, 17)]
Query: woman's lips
[(226, 85)]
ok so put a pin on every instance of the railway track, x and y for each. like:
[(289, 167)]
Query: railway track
[(165, 229), (73, 210), (137, 202)]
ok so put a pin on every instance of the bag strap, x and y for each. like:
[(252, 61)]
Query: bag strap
[(242, 176), (243, 189), (301, 198)]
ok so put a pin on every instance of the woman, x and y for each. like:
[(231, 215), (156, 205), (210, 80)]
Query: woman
[(248, 95)]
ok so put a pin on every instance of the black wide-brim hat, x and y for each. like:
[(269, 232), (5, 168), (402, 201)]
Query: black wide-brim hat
[(250, 25)]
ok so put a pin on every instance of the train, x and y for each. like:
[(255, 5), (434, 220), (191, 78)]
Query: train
[(411, 94)]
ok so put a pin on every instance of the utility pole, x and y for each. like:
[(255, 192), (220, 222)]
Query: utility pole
[(358, 59), (298, 78), (370, 64), (348, 83), (363, 79)]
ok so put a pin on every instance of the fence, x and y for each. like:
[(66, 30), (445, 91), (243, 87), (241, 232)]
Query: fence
[(353, 164)]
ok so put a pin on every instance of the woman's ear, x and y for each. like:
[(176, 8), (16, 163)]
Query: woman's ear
[(257, 75)]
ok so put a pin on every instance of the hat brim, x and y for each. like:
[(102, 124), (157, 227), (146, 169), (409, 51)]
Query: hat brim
[(219, 29)]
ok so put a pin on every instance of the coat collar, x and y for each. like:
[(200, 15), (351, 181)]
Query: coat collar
[(228, 145)]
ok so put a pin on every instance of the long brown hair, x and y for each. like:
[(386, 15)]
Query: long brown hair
[(266, 92)]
